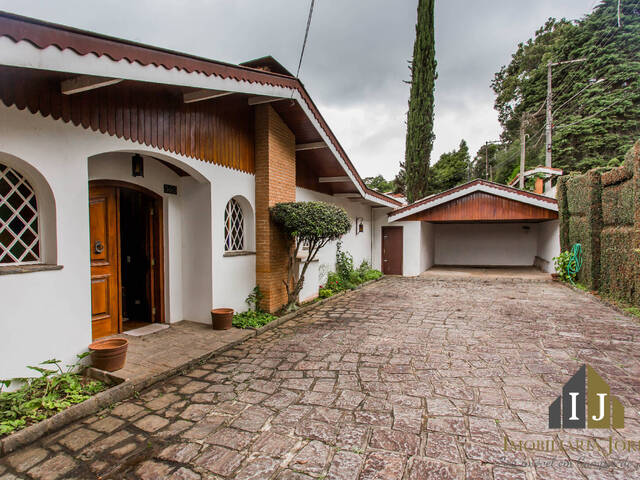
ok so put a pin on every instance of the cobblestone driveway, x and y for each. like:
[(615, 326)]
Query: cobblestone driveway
[(405, 379)]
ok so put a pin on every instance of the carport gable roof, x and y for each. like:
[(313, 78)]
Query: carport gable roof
[(483, 186)]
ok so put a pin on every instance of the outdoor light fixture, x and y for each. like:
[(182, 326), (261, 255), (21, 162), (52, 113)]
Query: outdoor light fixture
[(137, 166), (359, 225)]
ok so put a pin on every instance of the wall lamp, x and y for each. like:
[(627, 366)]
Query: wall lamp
[(137, 166), (359, 225)]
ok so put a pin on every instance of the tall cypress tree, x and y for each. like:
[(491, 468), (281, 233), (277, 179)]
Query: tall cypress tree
[(420, 116)]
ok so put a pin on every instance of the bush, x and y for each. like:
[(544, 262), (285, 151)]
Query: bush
[(372, 275), (344, 263), (252, 319), (355, 278), (346, 277), (326, 293), (40, 398), (560, 263)]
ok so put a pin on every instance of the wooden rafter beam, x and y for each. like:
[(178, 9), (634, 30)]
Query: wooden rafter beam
[(333, 179), (310, 146), (85, 83), (261, 99), (200, 95)]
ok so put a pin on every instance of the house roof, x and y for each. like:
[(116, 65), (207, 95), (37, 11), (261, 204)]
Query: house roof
[(479, 185), (247, 78)]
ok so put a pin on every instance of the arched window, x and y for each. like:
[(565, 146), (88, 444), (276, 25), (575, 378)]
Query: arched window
[(19, 229), (233, 227)]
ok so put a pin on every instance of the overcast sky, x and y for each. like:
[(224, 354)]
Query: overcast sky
[(356, 56)]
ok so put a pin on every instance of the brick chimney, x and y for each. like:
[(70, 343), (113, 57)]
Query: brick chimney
[(539, 186)]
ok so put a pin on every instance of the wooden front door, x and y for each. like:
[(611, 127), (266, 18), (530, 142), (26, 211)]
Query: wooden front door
[(392, 250), (105, 269)]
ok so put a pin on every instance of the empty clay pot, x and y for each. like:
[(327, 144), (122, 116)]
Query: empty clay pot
[(109, 354), (221, 318)]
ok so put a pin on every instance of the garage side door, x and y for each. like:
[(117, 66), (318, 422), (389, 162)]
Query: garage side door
[(392, 250)]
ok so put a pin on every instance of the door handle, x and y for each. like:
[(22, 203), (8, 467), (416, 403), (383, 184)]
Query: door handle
[(98, 247)]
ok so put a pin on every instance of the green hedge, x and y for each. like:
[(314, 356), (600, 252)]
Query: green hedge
[(617, 204), (601, 211), (618, 265)]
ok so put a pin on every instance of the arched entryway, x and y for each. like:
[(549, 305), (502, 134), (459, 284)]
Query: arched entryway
[(126, 243)]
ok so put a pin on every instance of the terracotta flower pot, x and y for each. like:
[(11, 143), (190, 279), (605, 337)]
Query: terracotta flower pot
[(555, 277), (221, 318), (110, 354)]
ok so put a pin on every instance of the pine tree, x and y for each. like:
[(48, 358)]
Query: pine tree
[(420, 116), (596, 103)]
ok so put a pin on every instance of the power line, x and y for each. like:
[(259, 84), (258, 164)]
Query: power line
[(594, 114), (306, 34), (602, 43)]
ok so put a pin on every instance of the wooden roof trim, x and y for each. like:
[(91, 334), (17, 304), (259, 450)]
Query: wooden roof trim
[(474, 186), (43, 34)]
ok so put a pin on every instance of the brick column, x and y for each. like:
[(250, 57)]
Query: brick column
[(275, 165)]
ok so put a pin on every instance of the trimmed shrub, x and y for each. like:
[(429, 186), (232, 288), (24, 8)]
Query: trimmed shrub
[(313, 224), (601, 211), (617, 203)]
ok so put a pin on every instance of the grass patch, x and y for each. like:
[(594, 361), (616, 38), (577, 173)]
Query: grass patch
[(635, 311), (42, 397)]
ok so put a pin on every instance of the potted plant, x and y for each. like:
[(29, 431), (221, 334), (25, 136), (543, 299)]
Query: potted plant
[(109, 354), (221, 318)]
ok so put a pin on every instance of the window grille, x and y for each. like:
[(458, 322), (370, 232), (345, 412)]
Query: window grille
[(233, 227), (19, 232)]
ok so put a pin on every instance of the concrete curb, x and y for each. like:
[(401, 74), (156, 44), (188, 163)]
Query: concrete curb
[(128, 388)]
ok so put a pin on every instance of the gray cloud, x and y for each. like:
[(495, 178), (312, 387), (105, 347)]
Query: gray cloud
[(356, 57)]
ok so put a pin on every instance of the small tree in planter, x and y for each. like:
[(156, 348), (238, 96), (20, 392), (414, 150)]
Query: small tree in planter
[(313, 224)]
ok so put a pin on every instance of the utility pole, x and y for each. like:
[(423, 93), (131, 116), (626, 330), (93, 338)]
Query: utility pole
[(523, 149), (549, 125)]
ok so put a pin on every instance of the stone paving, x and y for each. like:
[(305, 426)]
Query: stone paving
[(181, 343), (405, 379)]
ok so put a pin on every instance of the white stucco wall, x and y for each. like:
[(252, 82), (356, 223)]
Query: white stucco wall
[(417, 253), (499, 244), (427, 249), (548, 245), (357, 245), (48, 314)]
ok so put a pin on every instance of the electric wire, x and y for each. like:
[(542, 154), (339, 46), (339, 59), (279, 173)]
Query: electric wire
[(306, 35)]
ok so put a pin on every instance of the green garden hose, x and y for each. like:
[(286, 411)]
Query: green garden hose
[(575, 262)]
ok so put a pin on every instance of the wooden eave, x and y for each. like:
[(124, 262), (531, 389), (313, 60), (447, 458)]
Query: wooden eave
[(481, 207)]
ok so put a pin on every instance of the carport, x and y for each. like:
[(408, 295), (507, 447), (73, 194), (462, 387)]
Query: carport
[(485, 224)]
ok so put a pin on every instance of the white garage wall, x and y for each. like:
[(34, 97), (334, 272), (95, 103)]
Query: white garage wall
[(548, 245), (498, 244), (416, 237), (428, 251)]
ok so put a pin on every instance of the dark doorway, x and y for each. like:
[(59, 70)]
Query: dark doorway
[(392, 250), (136, 212), (133, 239)]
